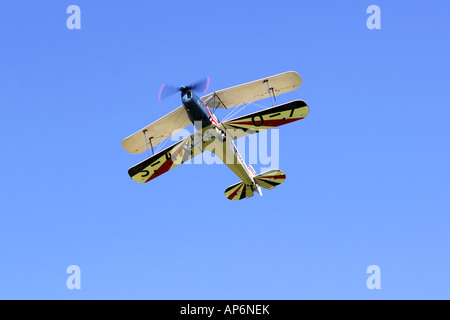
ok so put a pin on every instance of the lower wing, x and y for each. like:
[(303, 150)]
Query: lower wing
[(168, 158), (266, 119)]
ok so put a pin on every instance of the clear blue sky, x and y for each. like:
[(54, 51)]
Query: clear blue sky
[(367, 170)]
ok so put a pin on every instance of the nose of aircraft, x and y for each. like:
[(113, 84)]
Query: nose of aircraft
[(186, 94)]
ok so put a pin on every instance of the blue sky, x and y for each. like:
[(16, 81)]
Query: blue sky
[(367, 170)]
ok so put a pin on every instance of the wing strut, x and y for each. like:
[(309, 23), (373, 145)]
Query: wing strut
[(145, 136), (272, 95), (213, 99)]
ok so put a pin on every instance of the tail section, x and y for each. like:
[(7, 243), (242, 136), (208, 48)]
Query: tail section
[(253, 174), (268, 180), (239, 191)]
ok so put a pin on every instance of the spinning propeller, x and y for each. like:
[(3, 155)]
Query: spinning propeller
[(168, 90)]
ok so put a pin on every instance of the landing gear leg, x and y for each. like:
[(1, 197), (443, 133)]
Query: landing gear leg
[(221, 135)]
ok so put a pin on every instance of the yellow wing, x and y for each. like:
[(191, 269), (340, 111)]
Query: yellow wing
[(266, 119), (253, 91), (169, 158)]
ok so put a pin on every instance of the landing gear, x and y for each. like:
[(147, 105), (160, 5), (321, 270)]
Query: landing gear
[(221, 135)]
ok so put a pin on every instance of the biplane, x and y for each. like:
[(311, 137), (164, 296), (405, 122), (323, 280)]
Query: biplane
[(218, 137)]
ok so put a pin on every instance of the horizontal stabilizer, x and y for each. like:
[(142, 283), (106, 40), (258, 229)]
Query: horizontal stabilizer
[(239, 191), (270, 179)]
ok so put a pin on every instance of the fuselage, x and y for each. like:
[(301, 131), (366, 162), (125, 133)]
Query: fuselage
[(196, 110), (202, 117)]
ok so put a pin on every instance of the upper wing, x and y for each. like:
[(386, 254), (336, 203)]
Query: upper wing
[(169, 158), (266, 119), (253, 91), (157, 131)]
